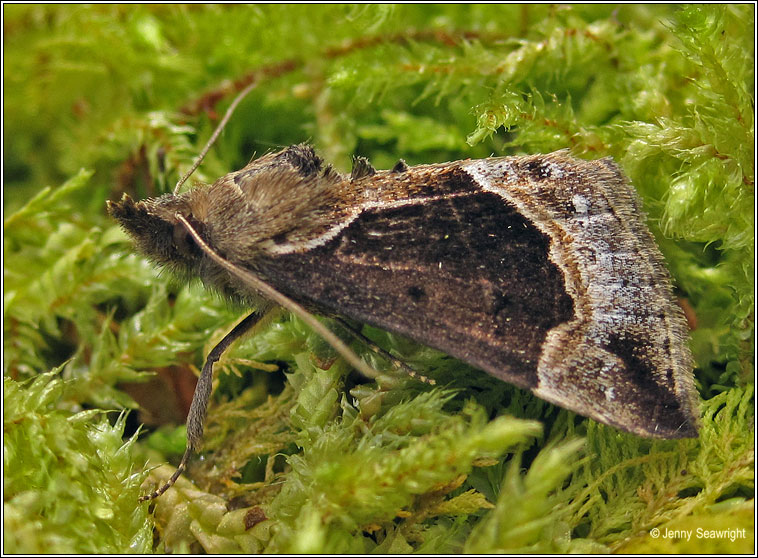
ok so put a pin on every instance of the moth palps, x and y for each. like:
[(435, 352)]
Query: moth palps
[(539, 270)]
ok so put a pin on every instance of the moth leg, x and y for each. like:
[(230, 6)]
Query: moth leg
[(199, 407), (396, 362)]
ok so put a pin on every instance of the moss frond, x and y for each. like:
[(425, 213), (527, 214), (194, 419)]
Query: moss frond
[(70, 480), (313, 458)]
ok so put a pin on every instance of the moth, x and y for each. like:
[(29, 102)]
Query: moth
[(539, 270)]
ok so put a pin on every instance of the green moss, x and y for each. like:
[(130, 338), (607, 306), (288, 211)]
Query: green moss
[(70, 481), (336, 463)]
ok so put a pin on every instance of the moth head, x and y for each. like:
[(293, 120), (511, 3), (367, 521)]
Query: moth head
[(153, 225)]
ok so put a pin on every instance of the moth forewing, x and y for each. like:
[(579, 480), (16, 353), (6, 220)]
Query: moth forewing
[(539, 270)]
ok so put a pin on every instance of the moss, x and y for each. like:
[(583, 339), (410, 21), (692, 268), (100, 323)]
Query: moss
[(301, 456), (70, 480)]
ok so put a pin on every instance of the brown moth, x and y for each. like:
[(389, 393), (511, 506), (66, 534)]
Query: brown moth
[(538, 269)]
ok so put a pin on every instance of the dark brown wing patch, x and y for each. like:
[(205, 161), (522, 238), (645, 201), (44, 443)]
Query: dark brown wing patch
[(466, 274)]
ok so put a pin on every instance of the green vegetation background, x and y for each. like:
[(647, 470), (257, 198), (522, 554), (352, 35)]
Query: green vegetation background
[(105, 99)]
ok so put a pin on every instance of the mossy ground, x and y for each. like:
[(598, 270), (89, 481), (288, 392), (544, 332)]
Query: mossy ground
[(299, 458)]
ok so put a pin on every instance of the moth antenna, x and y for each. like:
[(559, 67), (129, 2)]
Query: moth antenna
[(216, 133), (267, 291), (199, 407), (396, 362)]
